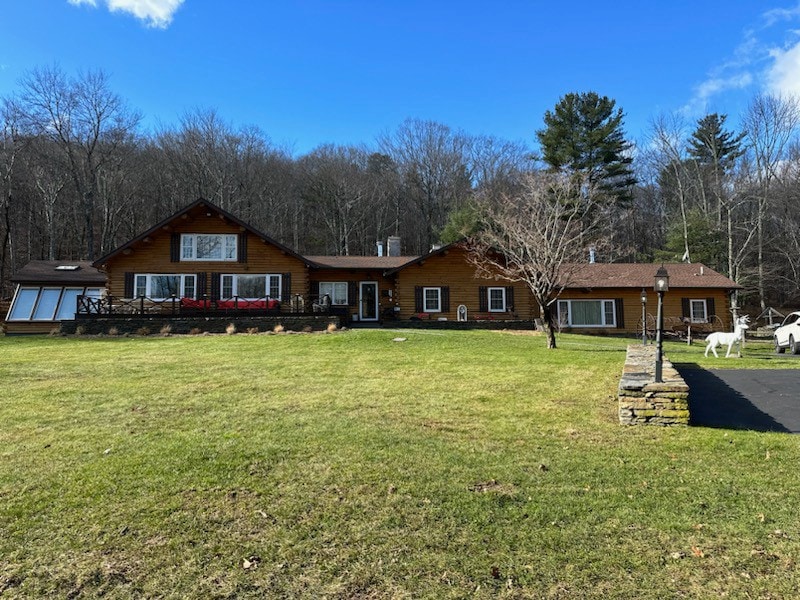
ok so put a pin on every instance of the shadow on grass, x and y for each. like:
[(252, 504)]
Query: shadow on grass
[(714, 403)]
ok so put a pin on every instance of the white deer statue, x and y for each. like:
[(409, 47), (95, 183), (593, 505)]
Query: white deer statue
[(727, 338)]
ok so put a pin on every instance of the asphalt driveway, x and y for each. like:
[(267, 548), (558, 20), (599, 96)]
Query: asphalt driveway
[(761, 400)]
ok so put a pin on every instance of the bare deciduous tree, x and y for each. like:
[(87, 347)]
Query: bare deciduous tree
[(771, 123), (86, 120), (540, 236)]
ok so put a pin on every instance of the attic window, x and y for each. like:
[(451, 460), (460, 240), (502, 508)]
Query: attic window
[(67, 267), (214, 246)]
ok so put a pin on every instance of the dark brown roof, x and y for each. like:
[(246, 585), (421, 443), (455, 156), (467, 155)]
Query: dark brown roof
[(46, 272), (361, 262), (637, 275)]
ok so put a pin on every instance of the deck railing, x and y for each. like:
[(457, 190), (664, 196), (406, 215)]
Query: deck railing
[(90, 307)]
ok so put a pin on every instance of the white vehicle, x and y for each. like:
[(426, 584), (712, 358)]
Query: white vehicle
[(788, 334)]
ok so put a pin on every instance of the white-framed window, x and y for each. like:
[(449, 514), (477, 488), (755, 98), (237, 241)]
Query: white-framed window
[(497, 299), (209, 246), (337, 290), (587, 313), (158, 286), (698, 311), (251, 287), (34, 303), (432, 299)]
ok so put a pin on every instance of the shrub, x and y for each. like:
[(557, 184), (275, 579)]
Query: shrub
[(143, 331), (80, 330), (166, 330), (308, 329), (195, 331), (252, 330), (230, 329), (113, 331), (331, 328), (278, 328)]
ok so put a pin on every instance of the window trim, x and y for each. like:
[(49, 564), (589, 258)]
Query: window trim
[(691, 310), (333, 294), (503, 297), (603, 313), (438, 291), (191, 247), (234, 286), (148, 285)]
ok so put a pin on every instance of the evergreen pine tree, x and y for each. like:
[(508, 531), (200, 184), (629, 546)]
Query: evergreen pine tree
[(584, 135)]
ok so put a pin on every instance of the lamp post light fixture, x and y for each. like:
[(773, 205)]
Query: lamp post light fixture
[(661, 286), (644, 317)]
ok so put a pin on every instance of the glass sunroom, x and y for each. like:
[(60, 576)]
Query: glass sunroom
[(47, 293)]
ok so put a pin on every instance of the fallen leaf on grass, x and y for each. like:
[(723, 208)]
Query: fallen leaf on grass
[(698, 552)]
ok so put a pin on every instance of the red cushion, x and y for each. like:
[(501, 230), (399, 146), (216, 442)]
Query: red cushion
[(192, 303)]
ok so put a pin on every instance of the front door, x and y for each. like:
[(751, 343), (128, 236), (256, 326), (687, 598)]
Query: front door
[(368, 306)]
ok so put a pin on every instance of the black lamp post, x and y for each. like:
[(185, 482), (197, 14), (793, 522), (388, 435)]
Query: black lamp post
[(644, 317), (661, 286)]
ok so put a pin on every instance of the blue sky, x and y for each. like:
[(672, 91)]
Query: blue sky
[(313, 71)]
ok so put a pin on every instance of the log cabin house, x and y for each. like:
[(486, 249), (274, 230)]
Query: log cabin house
[(203, 266)]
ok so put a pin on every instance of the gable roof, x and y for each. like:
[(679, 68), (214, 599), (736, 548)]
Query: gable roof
[(642, 275), (78, 272), (414, 260), (381, 263), (200, 203)]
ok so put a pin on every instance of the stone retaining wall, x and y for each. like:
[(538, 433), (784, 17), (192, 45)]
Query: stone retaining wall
[(644, 402), (155, 324)]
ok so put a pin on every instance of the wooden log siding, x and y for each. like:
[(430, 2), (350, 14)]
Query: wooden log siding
[(453, 270), (631, 311), (155, 257)]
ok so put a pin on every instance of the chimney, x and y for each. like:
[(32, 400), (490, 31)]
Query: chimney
[(380, 248), (393, 245)]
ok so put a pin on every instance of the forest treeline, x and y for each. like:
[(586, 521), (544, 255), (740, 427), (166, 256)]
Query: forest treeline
[(79, 176)]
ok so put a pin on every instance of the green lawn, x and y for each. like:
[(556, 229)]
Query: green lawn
[(348, 465)]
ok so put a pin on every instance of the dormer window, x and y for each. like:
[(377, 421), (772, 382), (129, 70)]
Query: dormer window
[(208, 246)]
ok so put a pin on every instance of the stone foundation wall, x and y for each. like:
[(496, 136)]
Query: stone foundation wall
[(154, 324), (644, 402)]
